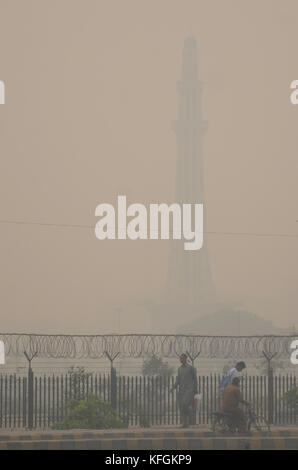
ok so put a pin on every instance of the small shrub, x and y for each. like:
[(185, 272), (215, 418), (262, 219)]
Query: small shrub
[(93, 413), (291, 399), (156, 366), (144, 421)]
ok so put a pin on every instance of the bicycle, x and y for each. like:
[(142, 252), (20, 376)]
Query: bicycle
[(224, 421), (258, 421)]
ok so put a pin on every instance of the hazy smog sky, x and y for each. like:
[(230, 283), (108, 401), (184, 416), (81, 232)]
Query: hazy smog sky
[(91, 92)]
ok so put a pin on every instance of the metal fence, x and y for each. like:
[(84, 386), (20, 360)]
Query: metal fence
[(39, 402)]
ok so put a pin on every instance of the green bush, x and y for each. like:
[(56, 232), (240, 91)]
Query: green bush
[(156, 366), (143, 418), (93, 413), (291, 399)]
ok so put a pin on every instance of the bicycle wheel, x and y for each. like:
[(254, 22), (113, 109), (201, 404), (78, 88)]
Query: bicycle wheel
[(265, 424), (259, 423), (217, 423)]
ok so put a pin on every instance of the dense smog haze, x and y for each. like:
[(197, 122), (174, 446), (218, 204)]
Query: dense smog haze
[(90, 111), (148, 226)]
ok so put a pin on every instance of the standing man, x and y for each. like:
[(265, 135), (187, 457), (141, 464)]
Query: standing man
[(188, 387)]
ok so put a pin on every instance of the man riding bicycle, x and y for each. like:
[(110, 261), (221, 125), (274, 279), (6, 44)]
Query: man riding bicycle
[(232, 398)]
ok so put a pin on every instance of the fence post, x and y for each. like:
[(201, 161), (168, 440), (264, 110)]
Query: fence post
[(194, 412), (113, 381), (113, 388), (30, 389), (270, 402)]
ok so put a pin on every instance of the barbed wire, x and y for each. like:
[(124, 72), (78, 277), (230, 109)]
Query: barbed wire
[(145, 345)]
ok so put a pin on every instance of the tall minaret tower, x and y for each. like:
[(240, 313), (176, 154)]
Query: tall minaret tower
[(190, 288)]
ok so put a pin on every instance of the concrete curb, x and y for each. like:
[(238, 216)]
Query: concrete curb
[(124, 434), (155, 444)]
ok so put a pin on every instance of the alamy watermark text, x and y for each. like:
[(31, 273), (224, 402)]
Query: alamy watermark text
[(187, 222)]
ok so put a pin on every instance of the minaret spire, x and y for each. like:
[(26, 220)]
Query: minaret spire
[(190, 60), (190, 285)]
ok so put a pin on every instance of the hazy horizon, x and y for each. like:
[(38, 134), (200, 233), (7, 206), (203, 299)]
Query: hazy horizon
[(91, 94)]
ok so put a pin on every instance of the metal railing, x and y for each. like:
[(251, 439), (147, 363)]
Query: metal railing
[(40, 402)]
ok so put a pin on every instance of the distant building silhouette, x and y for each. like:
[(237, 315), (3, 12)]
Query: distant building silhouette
[(190, 290)]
